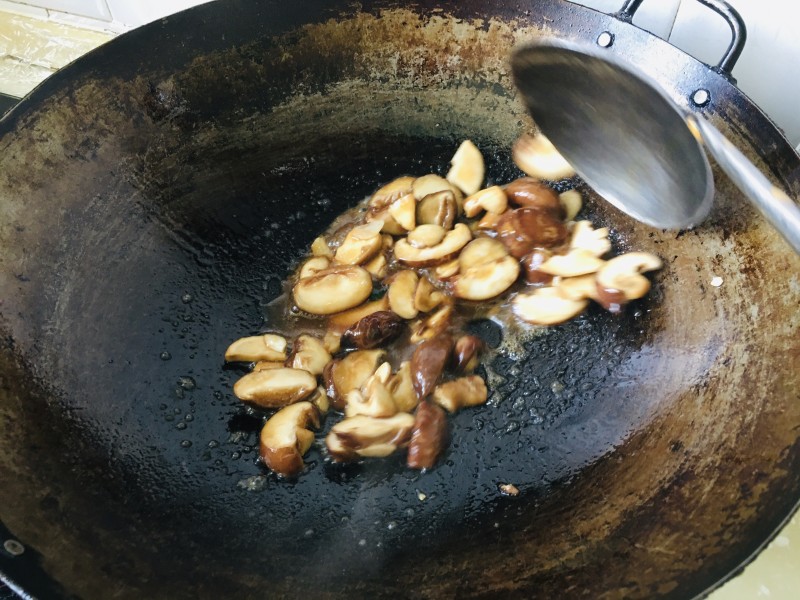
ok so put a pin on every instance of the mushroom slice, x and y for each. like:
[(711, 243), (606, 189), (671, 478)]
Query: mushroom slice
[(319, 247), (584, 237), (388, 224), (623, 273), (333, 290), (427, 297), (536, 156), (446, 270), (574, 263), (467, 170), (545, 306), (429, 436), (531, 265), (390, 192), (578, 288), (268, 347), (426, 236), (266, 365), (572, 202), (528, 192), (428, 362), (374, 330), (332, 341), (285, 438), (339, 323), (361, 244), (435, 324), (404, 211), (489, 221), (374, 398), (402, 389), (460, 393), (309, 354), (401, 294), (439, 208), (275, 387), (313, 266), (432, 184), (377, 266), (480, 251), (320, 399), (351, 372), (442, 252), (363, 436), (466, 353), (487, 280), (492, 199)]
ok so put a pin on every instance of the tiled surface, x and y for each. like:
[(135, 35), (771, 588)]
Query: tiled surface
[(32, 46)]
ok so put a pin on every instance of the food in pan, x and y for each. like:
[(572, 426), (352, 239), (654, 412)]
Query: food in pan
[(377, 313)]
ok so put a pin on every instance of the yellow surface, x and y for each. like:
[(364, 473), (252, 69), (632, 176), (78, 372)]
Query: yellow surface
[(32, 49)]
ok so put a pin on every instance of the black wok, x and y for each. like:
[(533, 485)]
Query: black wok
[(154, 194)]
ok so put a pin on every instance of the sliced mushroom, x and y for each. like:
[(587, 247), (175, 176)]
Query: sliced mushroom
[(480, 251), (388, 241), (488, 280), (584, 237), (574, 263), (332, 341), (402, 388), (309, 353), (390, 192), (374, 330), (531, 265), (435, 324), (349, 373), (377, 266), (320, 399), (545, 306), (404, 211), (432, 184), (426, 296), (360, 245), (388, 224), (374, 398), (524, 229), (333, 290), (428, 363), (429, 436), (439, 208), (466, 353), (269, 347), (460, 393), (572, 202), (275, 387), (401, 294), (319, 247), (532, 193), (578, 288), (492, 199), (446, 270), (363, 436), (313, 266), (266, 365), (467, 169), (444, 251), (285, 438), (344, 320), (426, 236), (537, 157), (623, 273), (489, 221)]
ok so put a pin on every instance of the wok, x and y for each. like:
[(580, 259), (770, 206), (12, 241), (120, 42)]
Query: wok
[(154, 194)]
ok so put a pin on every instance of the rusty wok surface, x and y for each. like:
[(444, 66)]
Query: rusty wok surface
[(154, 194)]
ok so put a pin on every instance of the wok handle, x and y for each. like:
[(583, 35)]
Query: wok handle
[(723, 9), (772, 202)]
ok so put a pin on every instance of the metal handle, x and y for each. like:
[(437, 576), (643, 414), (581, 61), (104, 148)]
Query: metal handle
[(773, 203), (722, 8)]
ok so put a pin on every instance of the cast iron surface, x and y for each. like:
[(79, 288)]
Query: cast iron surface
[(153, 196)]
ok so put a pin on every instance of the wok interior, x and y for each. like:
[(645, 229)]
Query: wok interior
[(653, 451)]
